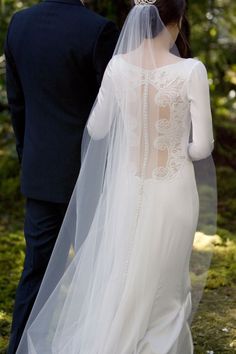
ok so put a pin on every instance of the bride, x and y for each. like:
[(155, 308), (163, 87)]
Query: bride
[(118, 281)]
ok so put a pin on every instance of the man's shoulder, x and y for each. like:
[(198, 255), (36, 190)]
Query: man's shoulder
[(25, 13), (76, 11)]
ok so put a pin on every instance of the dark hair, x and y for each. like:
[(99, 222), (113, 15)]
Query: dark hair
[(171, 12)]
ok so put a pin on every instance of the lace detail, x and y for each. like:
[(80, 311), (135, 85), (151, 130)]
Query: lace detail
[(166, 120), (170, 130)]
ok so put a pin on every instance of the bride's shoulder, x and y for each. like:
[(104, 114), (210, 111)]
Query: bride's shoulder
[(114, 66), (112, 62), (195, 65), (115, 60)]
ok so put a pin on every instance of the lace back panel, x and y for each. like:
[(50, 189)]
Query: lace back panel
[(155, 111)]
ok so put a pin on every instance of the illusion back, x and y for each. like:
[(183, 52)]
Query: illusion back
[(157, 125), (157, 107)]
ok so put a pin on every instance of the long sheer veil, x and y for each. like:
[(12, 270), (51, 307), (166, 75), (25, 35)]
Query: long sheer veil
[(76, 305)]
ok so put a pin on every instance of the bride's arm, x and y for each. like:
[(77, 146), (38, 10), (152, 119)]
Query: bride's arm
[(200, 109), (103, 111)]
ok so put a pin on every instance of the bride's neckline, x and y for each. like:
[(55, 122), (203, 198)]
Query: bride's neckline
[(156, 68)]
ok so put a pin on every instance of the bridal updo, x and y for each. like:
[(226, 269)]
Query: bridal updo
[(172, 12)]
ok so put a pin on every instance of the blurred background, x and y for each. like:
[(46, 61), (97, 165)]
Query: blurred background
[(212, 36)]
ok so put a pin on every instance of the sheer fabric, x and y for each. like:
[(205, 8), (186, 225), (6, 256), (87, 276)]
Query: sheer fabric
[(169, 99), (118, 281)]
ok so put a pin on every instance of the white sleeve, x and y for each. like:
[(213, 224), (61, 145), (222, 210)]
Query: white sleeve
[(102, 113), (199, 97)]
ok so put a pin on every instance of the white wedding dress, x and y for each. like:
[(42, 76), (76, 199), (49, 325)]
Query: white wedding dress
[(118, 280), (163, 181)]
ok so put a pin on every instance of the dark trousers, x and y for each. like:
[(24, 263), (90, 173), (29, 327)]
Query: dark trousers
[(42, 224)]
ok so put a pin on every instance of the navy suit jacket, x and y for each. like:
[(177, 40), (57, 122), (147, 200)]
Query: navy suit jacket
[(56, 53)]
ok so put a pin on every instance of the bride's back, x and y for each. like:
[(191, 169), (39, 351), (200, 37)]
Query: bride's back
[(155, 109), (158, 95)]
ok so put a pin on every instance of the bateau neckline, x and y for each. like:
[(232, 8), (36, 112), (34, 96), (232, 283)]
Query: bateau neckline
[(154, 69)]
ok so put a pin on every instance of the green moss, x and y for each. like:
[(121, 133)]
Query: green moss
[(223, 265), (226, 181), (214, 326), (12, 247)]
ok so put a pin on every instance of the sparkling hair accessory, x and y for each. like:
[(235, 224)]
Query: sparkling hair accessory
[(145, 2)]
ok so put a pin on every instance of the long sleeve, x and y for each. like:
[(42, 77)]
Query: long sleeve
[(104, 109), (199, 97), (104, 49), (15, 99)]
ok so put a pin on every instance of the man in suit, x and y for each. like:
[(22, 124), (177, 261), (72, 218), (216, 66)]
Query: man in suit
[(56, 53)]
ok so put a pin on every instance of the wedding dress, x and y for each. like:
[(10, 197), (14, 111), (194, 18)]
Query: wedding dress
[(163, 188), (118, 281)]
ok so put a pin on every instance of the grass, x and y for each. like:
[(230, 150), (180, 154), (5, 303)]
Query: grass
[(12, 248), (214, 326)]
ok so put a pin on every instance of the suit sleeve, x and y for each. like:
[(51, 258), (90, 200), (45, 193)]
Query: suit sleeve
[(104, 49), (199, 97), (15, 97)]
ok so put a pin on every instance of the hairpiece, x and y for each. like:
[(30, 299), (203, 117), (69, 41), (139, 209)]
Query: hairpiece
[(144, 2)]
